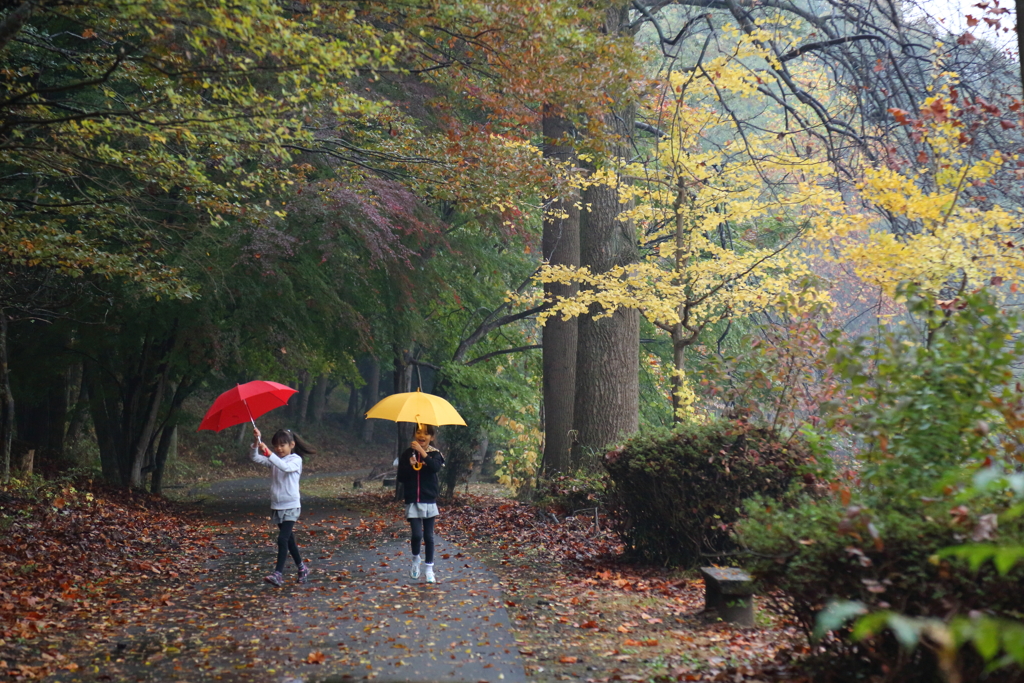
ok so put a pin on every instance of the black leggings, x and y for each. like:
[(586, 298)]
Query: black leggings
[(286, 544), (423, 530)]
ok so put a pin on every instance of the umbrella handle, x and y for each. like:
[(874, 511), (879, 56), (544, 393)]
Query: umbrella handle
[(250, 416), (418, 464)]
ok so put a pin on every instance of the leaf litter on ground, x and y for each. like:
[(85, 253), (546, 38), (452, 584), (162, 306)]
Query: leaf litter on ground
[(581, 611), (87, 570), (80, 558)]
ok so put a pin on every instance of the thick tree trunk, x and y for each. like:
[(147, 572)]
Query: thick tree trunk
[(319, 399), (561, 246), (607, 402), (7, 407), (372, 392)]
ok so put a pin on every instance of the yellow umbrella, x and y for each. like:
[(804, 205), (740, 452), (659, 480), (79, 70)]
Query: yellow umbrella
[(418, 407)]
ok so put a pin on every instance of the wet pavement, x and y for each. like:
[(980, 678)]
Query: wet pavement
[(360, 616)]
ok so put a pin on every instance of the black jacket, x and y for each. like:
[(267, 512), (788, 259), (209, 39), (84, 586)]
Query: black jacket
[(421, 485)]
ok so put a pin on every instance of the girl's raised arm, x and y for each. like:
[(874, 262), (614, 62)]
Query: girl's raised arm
[(289, 465)]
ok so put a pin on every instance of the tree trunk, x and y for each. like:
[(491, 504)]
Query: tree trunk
[(561, 246), (302, 402), (42, 422), (7, 408), (679, 344), (403, 432), (103, 408), (372, 392), (402, 384), (354, 399), (680, 338), (126, 390), (1020, 41), (78, 412), (319, 399), (607, 402), (144, 440), (168, 447), (58, 417)]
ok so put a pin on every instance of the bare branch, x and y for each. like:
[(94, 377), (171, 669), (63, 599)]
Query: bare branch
[(492, 354), (793, 54), (490, 325), (653, 130)]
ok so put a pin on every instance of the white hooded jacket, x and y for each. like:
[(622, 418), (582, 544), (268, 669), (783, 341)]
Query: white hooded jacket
[(284, 478)]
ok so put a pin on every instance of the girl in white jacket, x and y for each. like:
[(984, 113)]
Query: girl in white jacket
[(285, 463)]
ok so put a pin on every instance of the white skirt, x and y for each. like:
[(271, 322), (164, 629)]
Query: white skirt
[(282, 516), (421, 510)]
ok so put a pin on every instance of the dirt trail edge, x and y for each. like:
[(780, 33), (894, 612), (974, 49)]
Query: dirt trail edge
[(360, 616)]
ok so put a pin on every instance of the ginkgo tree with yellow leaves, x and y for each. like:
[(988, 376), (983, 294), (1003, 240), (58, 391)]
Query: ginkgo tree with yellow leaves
[(958, 237), (713, 195)]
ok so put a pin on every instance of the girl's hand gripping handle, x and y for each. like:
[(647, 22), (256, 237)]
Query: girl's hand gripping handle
[(259, 443), (418, 456)]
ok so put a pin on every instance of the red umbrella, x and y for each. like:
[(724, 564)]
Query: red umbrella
[(244, 403)]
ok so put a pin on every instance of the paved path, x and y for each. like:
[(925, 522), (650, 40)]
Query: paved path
[(360, 617)]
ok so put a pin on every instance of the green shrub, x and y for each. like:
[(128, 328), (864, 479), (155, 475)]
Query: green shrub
[(934, 402), (821, 550), (677, 494)]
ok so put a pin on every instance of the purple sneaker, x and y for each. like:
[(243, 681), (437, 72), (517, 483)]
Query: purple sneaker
[(275, 579), (303, 573)]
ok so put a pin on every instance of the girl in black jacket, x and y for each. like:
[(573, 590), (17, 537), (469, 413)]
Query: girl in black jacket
[(417, 470)]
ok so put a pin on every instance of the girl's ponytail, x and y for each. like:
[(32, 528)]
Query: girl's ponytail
[(302, 447)]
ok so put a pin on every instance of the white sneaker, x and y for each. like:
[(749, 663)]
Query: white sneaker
[(415, 571), (429, 573)]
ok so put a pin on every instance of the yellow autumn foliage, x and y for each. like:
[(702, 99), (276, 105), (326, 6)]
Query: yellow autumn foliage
[(949, 243), (705, 178)]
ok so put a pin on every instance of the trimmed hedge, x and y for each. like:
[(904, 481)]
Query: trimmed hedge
[(677, 494)]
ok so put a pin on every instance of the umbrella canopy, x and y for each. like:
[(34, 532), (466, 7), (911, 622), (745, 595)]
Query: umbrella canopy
[(244, 403), (416, 406)]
